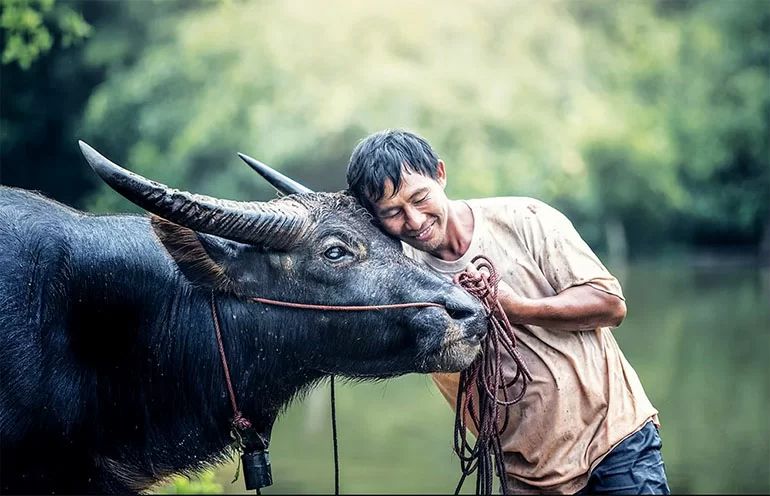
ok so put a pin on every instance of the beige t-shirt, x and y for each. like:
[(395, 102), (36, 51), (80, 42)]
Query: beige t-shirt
[(585, 398)]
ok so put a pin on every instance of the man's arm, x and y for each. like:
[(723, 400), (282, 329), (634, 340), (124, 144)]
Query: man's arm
[(578, 308)]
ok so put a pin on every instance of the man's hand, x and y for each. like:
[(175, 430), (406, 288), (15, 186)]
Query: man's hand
[(512, 303), (471, 270), (577, 308), (503, 289)]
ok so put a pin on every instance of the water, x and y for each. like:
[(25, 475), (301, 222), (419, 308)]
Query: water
[(698, 337)]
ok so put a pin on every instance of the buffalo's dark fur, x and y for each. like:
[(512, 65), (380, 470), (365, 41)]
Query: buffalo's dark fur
[(111, 378)]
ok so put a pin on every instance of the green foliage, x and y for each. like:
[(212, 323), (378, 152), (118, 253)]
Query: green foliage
[(27, 27), (651, 116), (595, 107), (204, 483), (720, 117)]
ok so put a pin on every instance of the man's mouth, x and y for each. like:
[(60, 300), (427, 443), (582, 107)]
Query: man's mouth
[(425, 233)]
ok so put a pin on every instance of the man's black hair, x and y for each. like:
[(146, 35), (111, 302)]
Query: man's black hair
[(381, 156)]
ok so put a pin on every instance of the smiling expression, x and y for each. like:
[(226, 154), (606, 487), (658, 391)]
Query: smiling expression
[(417, 213)]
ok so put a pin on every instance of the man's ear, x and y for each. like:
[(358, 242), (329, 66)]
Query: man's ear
[(200, 257), (441, 173)]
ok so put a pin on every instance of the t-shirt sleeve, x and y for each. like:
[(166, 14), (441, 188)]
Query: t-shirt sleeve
[(449, 384), (564, 258)]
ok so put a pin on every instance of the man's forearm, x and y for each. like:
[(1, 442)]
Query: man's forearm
[(577, 308)]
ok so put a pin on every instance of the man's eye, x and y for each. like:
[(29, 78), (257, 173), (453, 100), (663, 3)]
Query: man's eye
[(336, 253), (391, 215), (421, 200)]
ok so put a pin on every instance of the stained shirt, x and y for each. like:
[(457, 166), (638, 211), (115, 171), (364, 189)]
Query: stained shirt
[(585, 397)]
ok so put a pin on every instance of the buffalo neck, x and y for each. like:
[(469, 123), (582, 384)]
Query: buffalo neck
[(148, 336)]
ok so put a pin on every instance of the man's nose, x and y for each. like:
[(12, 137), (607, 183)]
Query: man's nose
[(414, 218)]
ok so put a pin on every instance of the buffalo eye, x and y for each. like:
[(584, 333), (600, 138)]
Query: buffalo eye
[(336, 253)]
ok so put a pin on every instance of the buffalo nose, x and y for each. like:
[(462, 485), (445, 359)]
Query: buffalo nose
[(469, 312), (459, 312), (462, 306)]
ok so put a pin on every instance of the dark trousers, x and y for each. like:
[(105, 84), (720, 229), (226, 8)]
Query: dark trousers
[(635, 466)]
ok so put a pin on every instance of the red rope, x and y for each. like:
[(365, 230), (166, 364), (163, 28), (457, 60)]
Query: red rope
[(240, 422), (342, 308), (485, 378)]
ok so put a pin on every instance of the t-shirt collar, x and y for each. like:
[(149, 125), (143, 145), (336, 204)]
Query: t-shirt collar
[(455, 266)]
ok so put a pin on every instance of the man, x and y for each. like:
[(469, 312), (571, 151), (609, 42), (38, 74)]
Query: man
[(585, 423)]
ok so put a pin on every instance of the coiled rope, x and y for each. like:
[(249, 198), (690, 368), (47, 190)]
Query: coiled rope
[(483, 392)]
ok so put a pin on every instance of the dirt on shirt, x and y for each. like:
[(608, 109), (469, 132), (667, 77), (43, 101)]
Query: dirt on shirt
[(585, 397)]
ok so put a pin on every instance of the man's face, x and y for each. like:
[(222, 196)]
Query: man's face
[(417, 213)]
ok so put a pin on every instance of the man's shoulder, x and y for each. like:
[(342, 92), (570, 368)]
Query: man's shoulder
[(505, 201), (510, 207)]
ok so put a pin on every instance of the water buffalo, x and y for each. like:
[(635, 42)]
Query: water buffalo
[(110, 368)]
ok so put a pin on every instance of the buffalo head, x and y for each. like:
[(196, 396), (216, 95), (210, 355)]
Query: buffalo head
[(317, 248)]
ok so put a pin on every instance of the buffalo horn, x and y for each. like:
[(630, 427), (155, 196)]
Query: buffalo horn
[(276, 224), (283, 184)]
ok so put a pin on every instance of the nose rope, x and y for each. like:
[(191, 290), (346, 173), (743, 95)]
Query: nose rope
[(485, 378), (240, 424), (343, 308), (239, 421)]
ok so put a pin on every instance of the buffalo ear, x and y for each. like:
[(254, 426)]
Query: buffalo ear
[(199, 256)]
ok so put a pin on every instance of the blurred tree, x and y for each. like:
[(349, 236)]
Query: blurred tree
[(626, 147), (43, 94), (636, 120), (42, 101), (27, 24), (297, 84), (685, 156), (719, 120)]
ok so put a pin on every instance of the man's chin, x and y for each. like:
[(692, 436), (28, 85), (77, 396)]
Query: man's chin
[(427, 246)]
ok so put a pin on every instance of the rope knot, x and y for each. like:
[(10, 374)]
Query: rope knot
[(240, 422)]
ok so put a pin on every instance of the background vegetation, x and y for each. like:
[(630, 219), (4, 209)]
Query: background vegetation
[(646, 122)]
